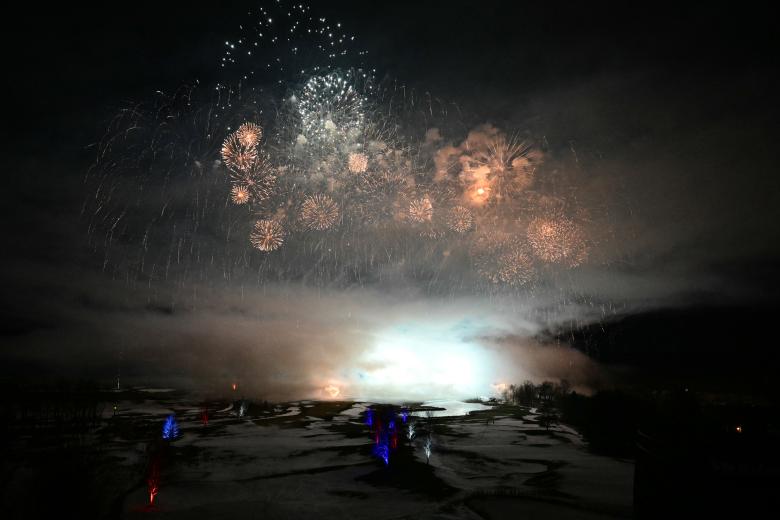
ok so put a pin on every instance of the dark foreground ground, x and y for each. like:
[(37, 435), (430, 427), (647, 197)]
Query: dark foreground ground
[(305, 460)]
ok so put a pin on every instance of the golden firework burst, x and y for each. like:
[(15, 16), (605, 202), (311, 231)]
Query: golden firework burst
[(267, 235), (557, 240), (239, 194), (514, 267), (236, 156), (460, 219), (249, 134), (421, 210), (501, 259), (319, 212), (357, 162), (258, 179)]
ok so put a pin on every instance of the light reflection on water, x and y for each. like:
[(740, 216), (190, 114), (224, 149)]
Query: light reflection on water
[(451, 408)]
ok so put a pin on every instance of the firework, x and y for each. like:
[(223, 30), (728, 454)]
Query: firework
[(421, 210), (319, 212), (330, 108), (460, 219), (501, 259), (249, 135), (505, 164), (357, 162), (236, 155), (267, 235), (258, 179), (514, 267), (557, 240), (239, 194)]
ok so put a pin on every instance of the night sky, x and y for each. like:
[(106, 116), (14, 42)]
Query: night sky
[(666, 115)]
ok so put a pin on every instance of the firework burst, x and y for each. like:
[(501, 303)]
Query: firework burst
[(514, 267), (557, 240), (319, 212), (421, 210), (460, 219), (267, 235), (330, 108), (249, 134), (357, 162), (236, 155), (500, 258), (258, 179), (239, 194)]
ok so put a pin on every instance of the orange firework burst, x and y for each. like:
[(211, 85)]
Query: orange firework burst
[(460, 219), (504, 166), (514, 267), (258, 179), (501, 259), (249, 134), (239, 194), (267, 235), (421, 210), (357, 163), (236, 155), (319, 212), (557, 240)]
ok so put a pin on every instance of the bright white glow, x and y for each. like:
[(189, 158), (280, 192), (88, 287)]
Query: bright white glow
[(424, 361)]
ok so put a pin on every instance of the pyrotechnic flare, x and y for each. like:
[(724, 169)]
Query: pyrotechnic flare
[(153, 480), (170, 428), (319, 212), (460, 219), (242, 409), (249, 134), (410, 431), (421, 210), (239, 194), (428, 447), (267, 235), (357, 163), (236, 156)]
